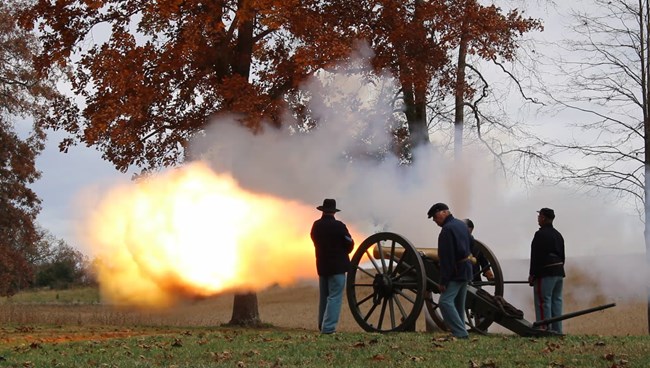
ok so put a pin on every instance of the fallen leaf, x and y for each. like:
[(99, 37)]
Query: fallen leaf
[(177, 343), (609, 356), (359, 344), (599, 343), (379, 357), (416, 359), (225, 355)]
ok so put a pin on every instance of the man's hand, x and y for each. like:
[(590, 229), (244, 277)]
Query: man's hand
[(489, 275)]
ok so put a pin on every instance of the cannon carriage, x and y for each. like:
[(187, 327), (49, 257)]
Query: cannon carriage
[(390, 281)]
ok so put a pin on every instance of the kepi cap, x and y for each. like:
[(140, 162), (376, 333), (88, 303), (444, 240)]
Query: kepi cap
[(437, 208), (469, 223), (547, 212)]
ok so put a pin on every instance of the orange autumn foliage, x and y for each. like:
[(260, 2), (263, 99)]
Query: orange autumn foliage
[(168, 66)]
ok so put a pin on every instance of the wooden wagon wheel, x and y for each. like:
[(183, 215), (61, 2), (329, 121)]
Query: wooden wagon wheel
[(386, 293), (473, 319)]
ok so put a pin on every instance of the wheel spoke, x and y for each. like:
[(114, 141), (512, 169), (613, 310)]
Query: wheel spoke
[(400, 292), (366, 272), (391, 310), (401, 308), (374, 263), (372, 309), (404, 272), (381, 256), (360, 302), (398, 264), (391, 258), (381, 314)]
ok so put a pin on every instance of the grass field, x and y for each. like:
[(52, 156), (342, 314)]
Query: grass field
[(73, 329), (86, 346)]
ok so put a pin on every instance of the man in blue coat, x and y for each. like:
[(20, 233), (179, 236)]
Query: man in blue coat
[(546, 274), (454, 250), (333, 244)]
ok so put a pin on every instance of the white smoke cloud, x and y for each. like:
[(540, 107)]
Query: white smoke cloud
[(383, 196)]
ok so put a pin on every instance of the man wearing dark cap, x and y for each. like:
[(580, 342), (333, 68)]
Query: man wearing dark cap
[(547, 269), (455, 267), (482, 265), (333, 244)]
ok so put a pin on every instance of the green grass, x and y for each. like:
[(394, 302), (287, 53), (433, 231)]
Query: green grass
[(43, 346), (86, 295)]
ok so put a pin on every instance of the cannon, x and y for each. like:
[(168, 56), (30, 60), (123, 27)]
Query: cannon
[(390, 281)]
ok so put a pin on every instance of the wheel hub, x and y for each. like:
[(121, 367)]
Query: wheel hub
[(383, 286)]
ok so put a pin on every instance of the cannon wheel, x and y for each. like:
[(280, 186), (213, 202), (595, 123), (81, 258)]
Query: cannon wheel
[(473, 319), (386, 294)]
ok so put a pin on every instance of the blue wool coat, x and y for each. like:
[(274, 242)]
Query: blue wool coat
[(454, 246)]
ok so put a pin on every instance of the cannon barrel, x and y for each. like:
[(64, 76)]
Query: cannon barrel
[(398, 252), (573, 314)]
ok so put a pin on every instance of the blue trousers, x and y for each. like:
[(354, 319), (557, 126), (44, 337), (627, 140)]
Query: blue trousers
[(452, 307), (547, 293), (329, 306)]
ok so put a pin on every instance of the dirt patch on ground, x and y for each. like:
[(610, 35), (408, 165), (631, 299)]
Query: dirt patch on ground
[(31, 337)]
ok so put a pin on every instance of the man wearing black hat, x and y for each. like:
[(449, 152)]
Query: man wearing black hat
[(547, 269), (333, 244), (454, 250)]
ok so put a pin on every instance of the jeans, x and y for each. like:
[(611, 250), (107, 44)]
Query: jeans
[(452, 307), (329, 306), (547, 293)]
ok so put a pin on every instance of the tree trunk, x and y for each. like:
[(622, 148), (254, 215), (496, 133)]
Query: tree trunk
[(244, 311), (459, 102), (646, 231), (646, 130), (416, 115)]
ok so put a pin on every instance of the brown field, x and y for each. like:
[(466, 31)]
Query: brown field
[(296, 308), (590, 282)]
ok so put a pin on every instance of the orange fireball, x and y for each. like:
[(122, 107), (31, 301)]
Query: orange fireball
[(191, 232)]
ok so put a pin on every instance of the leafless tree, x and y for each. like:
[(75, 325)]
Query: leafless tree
[(604, 70)]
